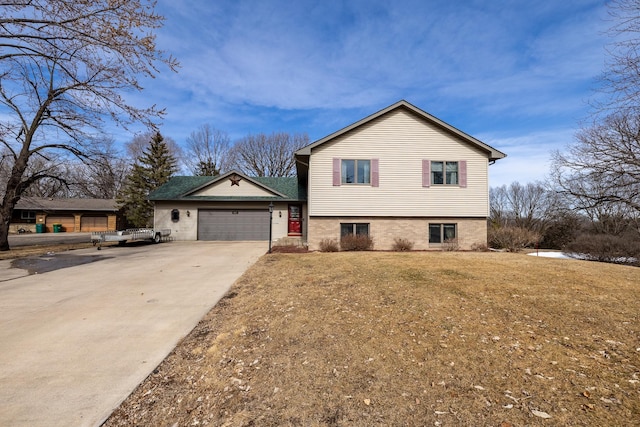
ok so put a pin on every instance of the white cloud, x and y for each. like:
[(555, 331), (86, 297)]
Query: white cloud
[(308, 55), (528, 156), (496, 68)]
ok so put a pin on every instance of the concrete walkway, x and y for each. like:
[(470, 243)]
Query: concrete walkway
[(75, 342)]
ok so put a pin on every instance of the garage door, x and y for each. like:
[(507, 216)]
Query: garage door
[(233, 225), (68, 222), (93, 223)]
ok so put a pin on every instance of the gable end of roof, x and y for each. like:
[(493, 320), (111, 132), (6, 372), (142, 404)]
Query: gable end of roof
[(402, 104)]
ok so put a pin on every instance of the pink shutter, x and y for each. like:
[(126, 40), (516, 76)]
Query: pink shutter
[(426, 170), (462, 165), (375, 175), (336, 172)]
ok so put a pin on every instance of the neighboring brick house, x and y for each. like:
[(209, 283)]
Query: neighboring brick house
[(72, 214), (399, 173)]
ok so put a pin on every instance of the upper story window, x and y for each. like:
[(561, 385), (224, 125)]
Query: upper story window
[(444, 173), (356, 171)]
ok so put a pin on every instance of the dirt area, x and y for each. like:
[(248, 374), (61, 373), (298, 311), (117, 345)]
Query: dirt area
[(36, 250), (395, 339)]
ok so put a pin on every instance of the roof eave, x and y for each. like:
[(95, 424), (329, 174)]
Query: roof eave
[(492, 152), (219, 199)]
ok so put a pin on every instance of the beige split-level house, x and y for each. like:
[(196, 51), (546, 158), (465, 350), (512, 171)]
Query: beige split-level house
[(398, 173)]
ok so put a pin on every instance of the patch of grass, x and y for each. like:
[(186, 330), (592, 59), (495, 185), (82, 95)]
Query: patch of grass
[(415, 276), (381, 338)]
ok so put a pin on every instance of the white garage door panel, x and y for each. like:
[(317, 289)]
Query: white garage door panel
[(239, 224)]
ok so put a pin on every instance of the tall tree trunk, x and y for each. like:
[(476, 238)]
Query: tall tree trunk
[(13, 191), (5, 216)]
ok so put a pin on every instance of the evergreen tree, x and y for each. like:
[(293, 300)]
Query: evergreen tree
[(152, 169), (206, 168)]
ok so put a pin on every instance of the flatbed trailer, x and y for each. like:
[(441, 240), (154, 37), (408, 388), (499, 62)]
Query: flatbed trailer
[(131, 234)]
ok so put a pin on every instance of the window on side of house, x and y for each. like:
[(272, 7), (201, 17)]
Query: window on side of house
[(356, 171), (28, 215), (440, 233), (444, 173), (359, 229)]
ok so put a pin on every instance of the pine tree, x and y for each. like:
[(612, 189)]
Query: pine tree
[(207, 168), (152, 169)]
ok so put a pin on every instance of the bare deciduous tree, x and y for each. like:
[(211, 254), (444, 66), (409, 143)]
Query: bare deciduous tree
[(59, 186), (207, 151), (267, 155), (622, 75), (599, 174), (530, 206), (601, 169), (103, 176), (63, 64)]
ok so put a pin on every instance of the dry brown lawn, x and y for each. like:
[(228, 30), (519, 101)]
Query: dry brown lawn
[(397, 339)]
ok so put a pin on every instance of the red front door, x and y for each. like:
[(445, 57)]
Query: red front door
[(295, 220)]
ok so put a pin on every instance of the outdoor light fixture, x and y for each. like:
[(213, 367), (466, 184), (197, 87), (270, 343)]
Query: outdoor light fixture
[(188, 213), (270, 223), (280, 214)]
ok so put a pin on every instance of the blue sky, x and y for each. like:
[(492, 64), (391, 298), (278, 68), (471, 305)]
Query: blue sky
[(517, 75)]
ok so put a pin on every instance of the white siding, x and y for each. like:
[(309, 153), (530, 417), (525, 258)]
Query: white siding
[(224, 188), (400, 140)]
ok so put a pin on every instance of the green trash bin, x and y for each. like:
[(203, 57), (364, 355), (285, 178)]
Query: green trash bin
[(40, 228), (57, 228)]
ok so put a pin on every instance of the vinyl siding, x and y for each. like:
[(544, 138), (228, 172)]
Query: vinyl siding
[(224, 188), (401, 141)]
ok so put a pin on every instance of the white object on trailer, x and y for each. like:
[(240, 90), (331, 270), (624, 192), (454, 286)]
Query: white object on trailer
[(123, 236)]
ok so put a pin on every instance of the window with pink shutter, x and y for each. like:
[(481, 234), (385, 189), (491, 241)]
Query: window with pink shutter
[(440, 172), (353, 171)]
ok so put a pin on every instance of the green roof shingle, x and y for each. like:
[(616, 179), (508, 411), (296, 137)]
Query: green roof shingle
[(179, 188)]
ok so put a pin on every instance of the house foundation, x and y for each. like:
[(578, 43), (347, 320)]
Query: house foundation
[(470, 232)]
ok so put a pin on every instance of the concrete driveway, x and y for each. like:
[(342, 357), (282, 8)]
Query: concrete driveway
[(75, 342)]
